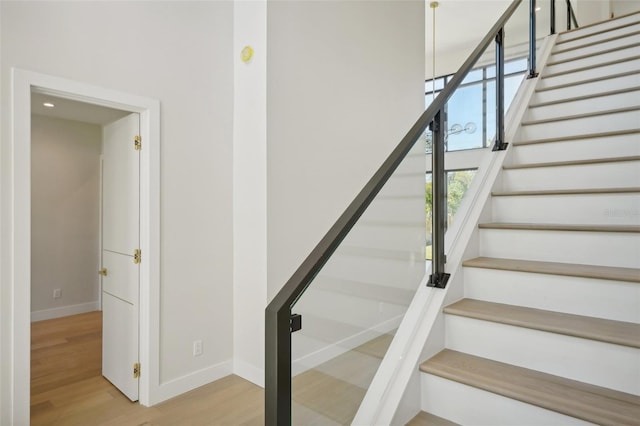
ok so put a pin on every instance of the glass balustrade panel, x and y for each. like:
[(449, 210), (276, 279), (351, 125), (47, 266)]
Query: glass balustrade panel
[(353, 307)]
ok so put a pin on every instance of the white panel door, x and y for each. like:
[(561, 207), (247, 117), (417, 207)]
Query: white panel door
[(120, 239)]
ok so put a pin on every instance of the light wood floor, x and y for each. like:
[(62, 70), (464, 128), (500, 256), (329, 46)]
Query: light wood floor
[(67, 387)]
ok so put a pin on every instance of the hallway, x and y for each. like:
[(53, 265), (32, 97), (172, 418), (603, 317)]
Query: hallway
[(67, 387)]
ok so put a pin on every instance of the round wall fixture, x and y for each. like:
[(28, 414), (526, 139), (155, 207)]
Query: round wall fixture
[(246, 54)]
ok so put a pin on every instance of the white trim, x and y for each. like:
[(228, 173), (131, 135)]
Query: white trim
[(100, 226), (248, 372), (18, 259), (193, 380), (64, 311)]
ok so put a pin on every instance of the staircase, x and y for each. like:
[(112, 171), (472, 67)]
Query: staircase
[(548, 331)]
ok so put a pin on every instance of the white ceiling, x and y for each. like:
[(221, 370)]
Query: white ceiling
[(461, 22), (73, 110)]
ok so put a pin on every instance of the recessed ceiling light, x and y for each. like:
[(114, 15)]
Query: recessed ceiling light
[(538, 8), (48, 104)]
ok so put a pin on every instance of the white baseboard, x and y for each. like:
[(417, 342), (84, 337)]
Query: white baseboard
[(249, 372), (186, 383), (64, 311)]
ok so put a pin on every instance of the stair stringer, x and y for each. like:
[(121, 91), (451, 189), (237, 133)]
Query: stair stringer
[(393, 396)]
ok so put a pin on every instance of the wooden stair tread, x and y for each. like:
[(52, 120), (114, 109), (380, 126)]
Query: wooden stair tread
[(603, 330), (586, 81), (590, 55), (334, 389), (427, 419), (594, 43), (573, 162), (567, 192), (560, 227), (327, 397), (365, 290), (604, 30), (555, 268), (585, 97), (578, 137), (586, 68), (579, 116), (581, 400)]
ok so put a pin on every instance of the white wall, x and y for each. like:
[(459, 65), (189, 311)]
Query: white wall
[(179, 53), (453, 46), (588, 11), (250, 189), (591, 11), (623, 7), (345, 81), (65, 192)]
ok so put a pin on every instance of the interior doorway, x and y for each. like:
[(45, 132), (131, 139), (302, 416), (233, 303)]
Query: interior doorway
[(18, 201), (85, 217), (66, 205)]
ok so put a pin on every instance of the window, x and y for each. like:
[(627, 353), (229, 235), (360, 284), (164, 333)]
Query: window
[(471, 111), (458, 181)]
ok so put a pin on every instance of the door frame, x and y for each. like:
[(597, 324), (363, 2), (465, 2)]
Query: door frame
[(16, 256)]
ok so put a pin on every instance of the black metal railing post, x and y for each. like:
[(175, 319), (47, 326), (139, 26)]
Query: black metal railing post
[(499, 143), (438, 277), (532, 39), (571, 16), (552, 19), (277, 395)]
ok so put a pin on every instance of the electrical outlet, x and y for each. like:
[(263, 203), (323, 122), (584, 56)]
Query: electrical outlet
[(197, 347), (57, 293)]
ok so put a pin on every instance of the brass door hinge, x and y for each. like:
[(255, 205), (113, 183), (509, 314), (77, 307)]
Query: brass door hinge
[(103, 272), (137, 256), (136, 370), (137, 143)]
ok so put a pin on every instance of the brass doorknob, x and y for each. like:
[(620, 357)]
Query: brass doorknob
[(103, 272)]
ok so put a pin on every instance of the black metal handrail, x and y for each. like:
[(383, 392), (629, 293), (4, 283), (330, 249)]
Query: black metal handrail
[(278, 324), (571, 16)]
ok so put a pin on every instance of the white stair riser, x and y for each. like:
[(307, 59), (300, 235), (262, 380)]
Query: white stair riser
[(589, 361), (629, 120), (614, 300), (561, 44), (386, 272), (577, 209), (595, 72), (467, 405), (600, 86), (359, 313), (391, 294), (591, 61), (579, 149), (595, 49), (612, 27), (590, 248), (394, 211), (385, 236), (584, 106), (617, 174), (402, 184)]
